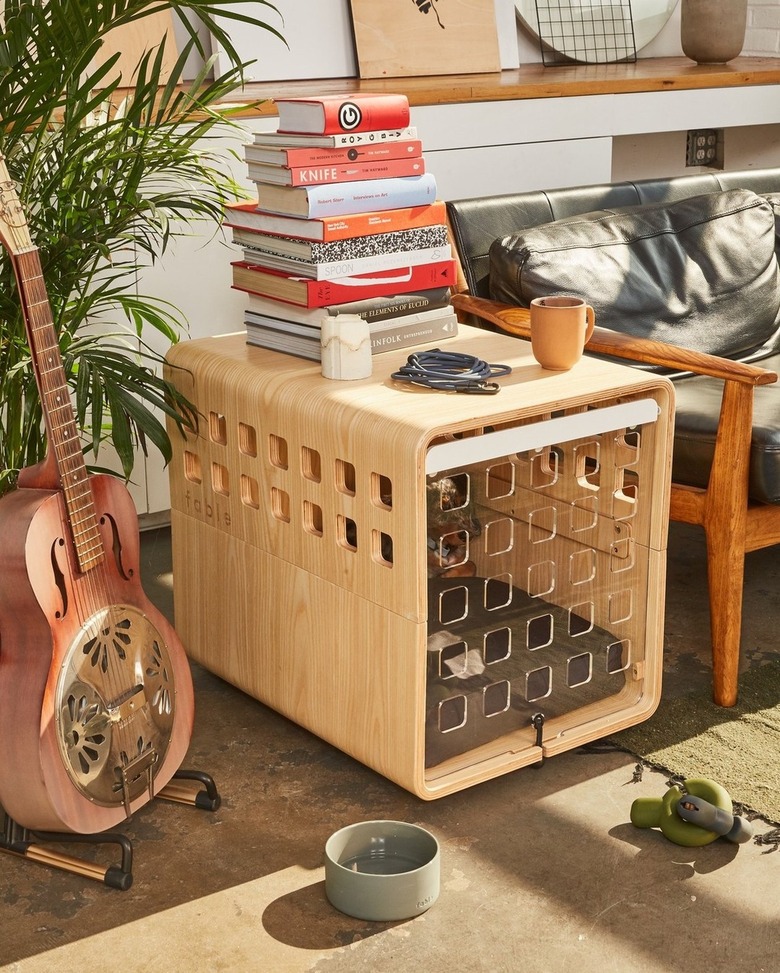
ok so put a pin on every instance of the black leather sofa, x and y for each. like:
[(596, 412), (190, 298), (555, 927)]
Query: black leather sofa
[(684, 276)]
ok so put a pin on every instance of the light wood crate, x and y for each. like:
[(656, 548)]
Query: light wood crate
[(301, 545)]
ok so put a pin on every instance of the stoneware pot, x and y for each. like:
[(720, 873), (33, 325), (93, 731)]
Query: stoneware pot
[(712, 31)]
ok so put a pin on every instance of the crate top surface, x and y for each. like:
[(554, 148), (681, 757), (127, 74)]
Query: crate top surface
[(292, 382)]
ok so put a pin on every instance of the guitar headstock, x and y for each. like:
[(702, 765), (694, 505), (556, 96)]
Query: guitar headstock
[(14, 232)]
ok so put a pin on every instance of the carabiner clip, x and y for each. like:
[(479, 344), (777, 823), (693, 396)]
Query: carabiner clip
[(480, 388)]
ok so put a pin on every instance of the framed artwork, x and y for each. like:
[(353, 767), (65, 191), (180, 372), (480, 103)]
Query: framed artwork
[(402, 38)]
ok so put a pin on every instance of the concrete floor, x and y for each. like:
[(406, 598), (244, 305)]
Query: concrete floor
[(541, 870)]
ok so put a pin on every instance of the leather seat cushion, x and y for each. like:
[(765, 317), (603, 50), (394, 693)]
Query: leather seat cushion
[(699, 272), (695, 426)]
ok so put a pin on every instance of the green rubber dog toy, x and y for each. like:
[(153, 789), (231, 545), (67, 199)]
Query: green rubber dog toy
[(693, 815)]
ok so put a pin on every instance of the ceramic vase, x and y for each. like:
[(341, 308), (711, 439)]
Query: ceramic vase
[(712, 31)]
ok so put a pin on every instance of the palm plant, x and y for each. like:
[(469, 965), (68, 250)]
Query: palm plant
[(109, 170)]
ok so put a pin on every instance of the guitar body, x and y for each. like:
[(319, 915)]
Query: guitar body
[(96, 698)]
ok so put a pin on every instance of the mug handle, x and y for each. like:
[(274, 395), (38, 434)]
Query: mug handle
[(590, 322)]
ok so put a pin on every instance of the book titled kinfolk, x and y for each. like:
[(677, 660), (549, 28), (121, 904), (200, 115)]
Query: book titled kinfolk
[(305, 341)]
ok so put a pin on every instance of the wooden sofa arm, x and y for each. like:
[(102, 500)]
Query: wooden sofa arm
[(515, 320)]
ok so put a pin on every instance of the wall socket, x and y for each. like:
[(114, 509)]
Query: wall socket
[(704, 147)]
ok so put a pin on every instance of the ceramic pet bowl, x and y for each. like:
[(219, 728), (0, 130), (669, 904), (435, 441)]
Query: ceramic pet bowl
[(382, 870)]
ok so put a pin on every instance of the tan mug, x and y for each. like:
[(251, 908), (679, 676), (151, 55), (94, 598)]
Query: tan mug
[(561, 326)]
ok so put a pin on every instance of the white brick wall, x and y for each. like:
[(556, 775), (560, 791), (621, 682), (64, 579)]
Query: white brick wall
[(762, 36)]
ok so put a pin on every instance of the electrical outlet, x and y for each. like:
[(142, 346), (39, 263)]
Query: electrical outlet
[(702, 147)]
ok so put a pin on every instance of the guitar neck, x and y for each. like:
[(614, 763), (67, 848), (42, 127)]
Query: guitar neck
[(58, 412)]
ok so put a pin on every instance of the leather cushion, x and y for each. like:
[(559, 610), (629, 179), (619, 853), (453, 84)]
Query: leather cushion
[(699, 272), (697, 408)]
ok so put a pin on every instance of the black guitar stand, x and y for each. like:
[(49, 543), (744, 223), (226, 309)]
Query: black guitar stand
[(17, 840)]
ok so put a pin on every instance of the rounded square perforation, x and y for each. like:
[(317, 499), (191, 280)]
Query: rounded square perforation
[(579, 670), (280, 504), (247, 439), (347, 532), (500, 480), (381, 491), (496, 698), (192, 468), (382, 548), (541, 578), (538, 683), (581, 619), (452, 714), (542, 524), (453, 660), (220, 479), (620, 606), (587, 464), (497, 645), (278, 455), (250, 491), (217, 428), (312, 518), (539, 632), (582, 566), (545, 468), (345, 478), (311, 464), (618, 656), (453, 604)]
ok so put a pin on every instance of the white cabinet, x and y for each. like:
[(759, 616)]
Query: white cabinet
[(474, 149)]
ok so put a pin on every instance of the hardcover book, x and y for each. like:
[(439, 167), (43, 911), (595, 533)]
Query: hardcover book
[(302, 340), (338, 140), (372, 308), (248, 216), (321, 293), (349, 267), (334, 172), (351, 248), (314, 156), (338, 114), (341, 199)]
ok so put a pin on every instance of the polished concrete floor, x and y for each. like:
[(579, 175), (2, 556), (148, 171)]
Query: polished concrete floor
[(540, 870)]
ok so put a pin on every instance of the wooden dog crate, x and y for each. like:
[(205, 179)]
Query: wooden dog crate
[(310, 521)]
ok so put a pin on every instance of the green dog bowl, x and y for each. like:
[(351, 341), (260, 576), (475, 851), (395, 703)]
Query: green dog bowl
[(382, 870)]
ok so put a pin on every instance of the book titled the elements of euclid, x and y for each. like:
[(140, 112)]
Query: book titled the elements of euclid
[(372, 308)]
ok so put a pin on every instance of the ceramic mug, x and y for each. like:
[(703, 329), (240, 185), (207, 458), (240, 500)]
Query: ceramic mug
[(561, 326)]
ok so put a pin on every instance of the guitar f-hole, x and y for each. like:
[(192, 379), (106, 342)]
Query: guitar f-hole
[(59, 578), (116, 546)]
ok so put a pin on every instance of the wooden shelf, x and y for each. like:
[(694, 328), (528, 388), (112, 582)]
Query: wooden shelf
[(534, 81)]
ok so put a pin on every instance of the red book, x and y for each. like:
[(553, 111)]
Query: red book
[(324, 229), (335, 114), (342, 290), (291, 156), (334, 172)]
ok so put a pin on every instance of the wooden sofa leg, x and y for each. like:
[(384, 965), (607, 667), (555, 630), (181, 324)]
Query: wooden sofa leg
[(726, 571), (725, 525)]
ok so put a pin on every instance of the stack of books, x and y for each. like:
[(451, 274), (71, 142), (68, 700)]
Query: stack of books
[(346, 221)]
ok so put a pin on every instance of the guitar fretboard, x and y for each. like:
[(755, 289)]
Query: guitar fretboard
[(58, 411)]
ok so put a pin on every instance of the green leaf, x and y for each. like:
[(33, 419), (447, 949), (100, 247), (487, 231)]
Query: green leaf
[(106, 184)]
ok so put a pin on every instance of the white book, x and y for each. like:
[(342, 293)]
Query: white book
[(340, 140), (348, 267), (313, 327)]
